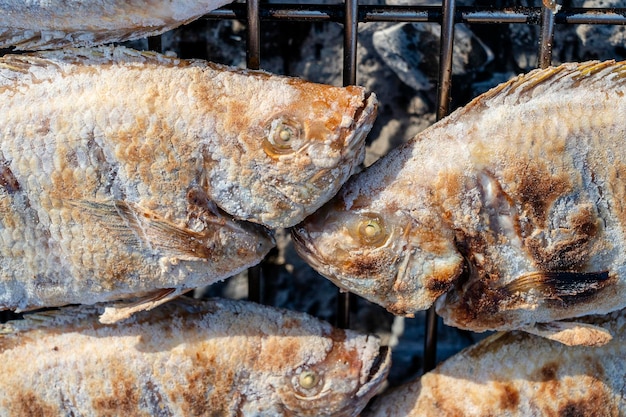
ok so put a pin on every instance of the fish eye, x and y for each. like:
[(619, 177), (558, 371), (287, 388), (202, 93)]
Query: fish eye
[(371, 231), (283, 136), (308, 379), (307, 384)]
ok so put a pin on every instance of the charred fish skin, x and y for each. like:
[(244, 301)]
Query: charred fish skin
[(54, 24), (119, 184), (516, 374), (187, 358), (509, 211)]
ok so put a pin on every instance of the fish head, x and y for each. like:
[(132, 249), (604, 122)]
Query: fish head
[(316, 144), (398, 259), (340, 382), (299, 142)]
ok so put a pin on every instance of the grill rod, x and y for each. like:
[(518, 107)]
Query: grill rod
[(463, 14), (546, 36), (350, 37), (253, 61), (443, 108)]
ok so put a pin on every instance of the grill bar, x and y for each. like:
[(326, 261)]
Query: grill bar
[(253, 61), (443, 106), (547, 33), (463, 14), (350, 37)]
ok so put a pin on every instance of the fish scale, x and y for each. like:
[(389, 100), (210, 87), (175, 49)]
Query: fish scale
[(123, 186), (512, 207)]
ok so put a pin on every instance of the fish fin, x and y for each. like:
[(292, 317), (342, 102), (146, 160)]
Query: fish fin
[(571, 333), (16, 69), (136, 226), (560, 78), (121, 311), (560, 285), (54, 317)]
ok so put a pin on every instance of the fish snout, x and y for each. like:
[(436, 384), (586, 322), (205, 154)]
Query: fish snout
[(354, 136)]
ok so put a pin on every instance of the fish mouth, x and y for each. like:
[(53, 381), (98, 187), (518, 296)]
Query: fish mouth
[(216, 217), (377, 373), (308, 252), (362, 123), (304, 248), (325, 183)]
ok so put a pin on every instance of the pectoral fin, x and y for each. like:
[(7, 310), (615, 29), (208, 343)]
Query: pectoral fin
[(571, 333), (139, 227), (560, 285), (123, 310)]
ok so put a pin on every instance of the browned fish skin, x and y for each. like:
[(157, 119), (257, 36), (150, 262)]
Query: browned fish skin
[(53, 24), (519, 375), (112, 162), (219, 358), (512, 208)]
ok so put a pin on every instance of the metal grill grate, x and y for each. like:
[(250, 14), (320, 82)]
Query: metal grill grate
[(350, 14), (254, 13)]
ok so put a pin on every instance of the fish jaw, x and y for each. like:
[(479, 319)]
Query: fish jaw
[(400, 274), (352, 372)]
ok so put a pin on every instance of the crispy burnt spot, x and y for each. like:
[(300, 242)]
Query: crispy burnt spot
[(7, 180)]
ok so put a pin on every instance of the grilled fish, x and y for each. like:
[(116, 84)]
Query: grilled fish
[(53, 24), (217, 357), (517, 374), (507, 213), (120, 170)]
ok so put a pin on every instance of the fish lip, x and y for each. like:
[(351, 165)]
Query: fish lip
[(377, 373), (362, 123), (303, 248), (307, 251)]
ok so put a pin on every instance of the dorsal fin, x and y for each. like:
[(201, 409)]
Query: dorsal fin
[(26, 69), (562, 78), (85, 56)]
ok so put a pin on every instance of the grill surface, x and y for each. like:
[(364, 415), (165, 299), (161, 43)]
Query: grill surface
[(350, 14), (255, 13)]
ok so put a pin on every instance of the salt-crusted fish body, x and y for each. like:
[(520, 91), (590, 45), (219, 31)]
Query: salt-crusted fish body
[(112, 163), (517, 374), (53, 24), (509, 212), (213, 358)]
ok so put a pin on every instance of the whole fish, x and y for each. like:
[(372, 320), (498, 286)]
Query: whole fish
[(213, 358), (116, 168), (508, 213), (53, 24), (517, 374)]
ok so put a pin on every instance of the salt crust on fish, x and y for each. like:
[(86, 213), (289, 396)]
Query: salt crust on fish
[(54, 24), (187, 358), (515, 374), (121, 171), (509, 212)]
